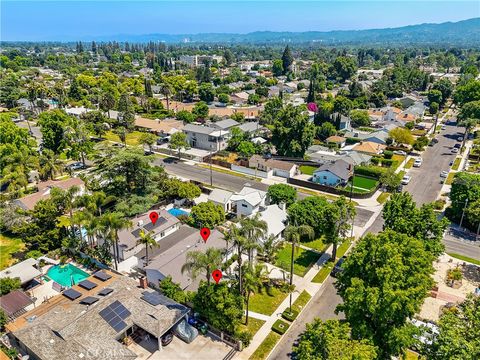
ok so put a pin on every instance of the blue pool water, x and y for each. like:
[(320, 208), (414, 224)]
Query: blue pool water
[(177, 212), (63, 274)]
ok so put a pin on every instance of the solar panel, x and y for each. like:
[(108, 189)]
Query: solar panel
[(87, 284), (102, 275), (89, 300), (119, 326), (154, 298), (150, 226), (114, 314), (72, 294), (105, 292)]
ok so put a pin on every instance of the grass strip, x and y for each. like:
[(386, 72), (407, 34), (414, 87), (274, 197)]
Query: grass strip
[(266, 346), (464, 258)]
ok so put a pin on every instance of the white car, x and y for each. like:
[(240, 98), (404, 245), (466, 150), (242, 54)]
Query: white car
[(418, 162), (444, 127), (406, 179), (455, 150), (444, 174)]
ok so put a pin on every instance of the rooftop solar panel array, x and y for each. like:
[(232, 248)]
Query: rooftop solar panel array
[(114, 314), (105, 292), (71, 294), (87, 284), (102, 275), (150, 226), (89, 300)]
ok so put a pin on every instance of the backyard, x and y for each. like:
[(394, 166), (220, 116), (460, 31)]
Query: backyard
[(8, 247), (303, 259), (307, 169)]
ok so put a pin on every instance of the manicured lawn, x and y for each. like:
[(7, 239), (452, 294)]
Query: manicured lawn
[(383, 197), (363, 182), (397, 160), (301, 301), (263, 303), (303, 259), (456, 163), (449, 179), (323, 273), (409, 163), (410, 355), (266, 346), (253, 325), (132, 137), (9, 246), (465, 258), (316, 244), (307, 169), (342, 249)]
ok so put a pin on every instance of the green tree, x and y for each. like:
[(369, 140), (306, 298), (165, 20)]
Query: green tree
[(360, 118), (148, 241), (236, 237), (310, 211), (148, 139), (282, 193), (246, 149), (470, 91), (277, 67), (459, 332), (7, 285), (401, 215), (185, 116), (383, 284), (50, 164), (345, 67), (52, 126), (206, 92), (253, 230), (293, 133), (207, 214), (401, 136), (254, 280), (77, 138), (199, 261), (390, 179), (182, 189), (237, 136), (331, 340), (287, 59), (3, 320), (253, 99), (445, 87), (465, 195), (200, 110), (326, 130), (178, 141), (221, 305), (342, 104), (223, 98), (338, 222), (435, 96), (114, 222)]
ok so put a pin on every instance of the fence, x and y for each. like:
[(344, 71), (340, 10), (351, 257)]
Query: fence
[(331, 190)]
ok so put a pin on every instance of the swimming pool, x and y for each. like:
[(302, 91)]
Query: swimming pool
[(177, 212), (64, 274)]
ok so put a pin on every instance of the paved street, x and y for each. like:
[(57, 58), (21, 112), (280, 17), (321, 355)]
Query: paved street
[(321, 306)]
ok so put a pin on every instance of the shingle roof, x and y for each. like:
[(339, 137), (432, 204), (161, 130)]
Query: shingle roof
[(369, 147), (340, 168), (199, 129), (225, 124), (220, 196)]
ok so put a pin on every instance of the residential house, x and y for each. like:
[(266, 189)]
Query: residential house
[(128, 239), (206, 138), (168, 260), (221, 197), (333, 174), (272, 166), (252, 128), (276, 218), (199, 60), (369, 147), (248, 201), (340, 141), (26, 271), (77, 111), (224, 124), (163, 128), (343, 122), (44, 188), (239, 97), (93, 324)]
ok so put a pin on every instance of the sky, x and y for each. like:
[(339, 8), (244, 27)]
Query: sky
[(71, 20)]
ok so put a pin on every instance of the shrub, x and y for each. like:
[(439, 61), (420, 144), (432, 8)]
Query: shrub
[(387, 154), (351, 141), (280, 327), (244, 336), (9, 284), (387, 162), (375, 160), (455, 274), (439, 204), (290, 315), (372, 171), (33, 254)]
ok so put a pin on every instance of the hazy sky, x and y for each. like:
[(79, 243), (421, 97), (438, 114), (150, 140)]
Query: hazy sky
[(70, 20)]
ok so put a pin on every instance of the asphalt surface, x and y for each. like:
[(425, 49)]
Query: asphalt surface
[(231, 182)]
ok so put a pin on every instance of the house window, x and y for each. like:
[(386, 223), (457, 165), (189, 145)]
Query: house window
[(244, 205), (324, 177)]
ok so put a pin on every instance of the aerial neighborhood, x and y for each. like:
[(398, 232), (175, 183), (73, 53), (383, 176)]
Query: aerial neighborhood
[(219, 198)]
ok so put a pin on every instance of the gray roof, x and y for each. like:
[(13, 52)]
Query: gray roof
[(200, 129), (66, 329), (340, 168), (220, 196), (381, 135), (25, 270), (250, 126), (225, 124), (356, 158)]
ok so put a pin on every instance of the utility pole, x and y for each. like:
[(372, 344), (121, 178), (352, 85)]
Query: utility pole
[(211, 171), (463, 213), (351, 194)]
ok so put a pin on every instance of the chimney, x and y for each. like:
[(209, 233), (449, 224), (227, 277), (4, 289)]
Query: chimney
[(143, 282)]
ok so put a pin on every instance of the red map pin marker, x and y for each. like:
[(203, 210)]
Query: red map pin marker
[(217, 275), (205, 233), (153, 216)]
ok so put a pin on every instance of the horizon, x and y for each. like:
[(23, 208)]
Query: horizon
[(102, 19)]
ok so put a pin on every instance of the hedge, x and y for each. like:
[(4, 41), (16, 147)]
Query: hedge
[(351, 141), (387, 162), (280, 326), (387, 154), (372, 171), (290, 315)]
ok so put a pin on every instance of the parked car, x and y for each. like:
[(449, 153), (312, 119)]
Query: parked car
[(400, 152), (418, 162), (458, 146), (76, 166), (444, 174), (406, 179), (444, 127), (460, 138), (167, 338), (338, 267), (400, 188), (455, 150)]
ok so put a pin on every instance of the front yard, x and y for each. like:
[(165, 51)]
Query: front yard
[(302, 260), (362, 184), (266, 302), (132, 137)]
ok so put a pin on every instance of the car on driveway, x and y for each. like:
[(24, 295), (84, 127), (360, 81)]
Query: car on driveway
[(460, 138), (167, 338), (76, 166), (444, 127), (406, 179), (455, 150), (418, 162), (444, 174), (400, 152), (338, 267)]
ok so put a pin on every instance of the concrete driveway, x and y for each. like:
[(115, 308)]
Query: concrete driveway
[(202, 348)]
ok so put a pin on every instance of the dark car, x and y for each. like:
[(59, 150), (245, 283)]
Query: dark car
[(338, 267), (167, 338), (458, 146)]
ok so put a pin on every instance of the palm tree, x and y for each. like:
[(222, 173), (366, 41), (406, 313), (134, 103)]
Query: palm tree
[(468, 124), (234, 235), (50, 164), (294, 234), (113, 223), (198, 261), (148, 240), (270, 248), (337, 225), (254, 280), (166, 90), (253, 229)]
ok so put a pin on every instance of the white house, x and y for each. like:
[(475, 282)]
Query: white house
[(222, 198), (276, 217), (272, 166), (205, 137), (248, 201), (333, 174)]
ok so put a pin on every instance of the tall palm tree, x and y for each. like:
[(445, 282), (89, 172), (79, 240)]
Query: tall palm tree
[(270, 248), (198, 261), (148, 240), (254, 280), (337, 225), (166, 90), (294, 234), (253, 229), (49, 164), (113, 223), (234, 235)]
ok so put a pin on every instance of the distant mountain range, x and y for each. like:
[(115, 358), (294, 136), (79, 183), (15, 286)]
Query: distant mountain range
[(466, 33)]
